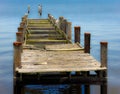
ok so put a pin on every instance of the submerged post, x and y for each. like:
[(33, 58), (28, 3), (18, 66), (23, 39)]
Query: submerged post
[(17, 54), (87, 37), (103, 54), (77, 34)]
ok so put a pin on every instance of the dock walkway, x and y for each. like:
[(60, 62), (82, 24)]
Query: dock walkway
[(44, 54)]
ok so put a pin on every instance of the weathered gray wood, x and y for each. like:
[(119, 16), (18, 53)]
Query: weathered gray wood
[(103, 87), (19, 36), (61, 22), (69, 30), (20, 29), (17, 54), (24, 18), (22, 24), (103, 54), (87, 50), (64, 25), (87, 37), (63, 47), (77, 34)]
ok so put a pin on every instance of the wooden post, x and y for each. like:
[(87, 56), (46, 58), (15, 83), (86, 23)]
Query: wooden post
[(77, 34), (19, 87), (24, 18), (19, 36), (103, 54), (75, 89), (69, 30), (87, 37), (20, 29), (17, 54), (60, 22), (48, 15), (64, 25), (22, 24), (104, 89)]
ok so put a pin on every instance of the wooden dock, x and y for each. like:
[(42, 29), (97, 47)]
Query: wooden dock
[(45, 54)]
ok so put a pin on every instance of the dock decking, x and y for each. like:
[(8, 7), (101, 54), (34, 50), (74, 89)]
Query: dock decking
[(44, 48)]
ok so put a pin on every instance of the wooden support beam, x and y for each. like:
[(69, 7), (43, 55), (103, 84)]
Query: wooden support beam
[(17, 54), (87, 39), (60, 22), (87, 50), (103, 89), (77, 34), (75, 89), (60, 79), (69, 30), (64, 26), (19, 36), (24, 18), (103, 53), (18, 88), (22, 24), (20, 29)]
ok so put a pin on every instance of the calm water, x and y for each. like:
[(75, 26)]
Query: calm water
[(99, 17)]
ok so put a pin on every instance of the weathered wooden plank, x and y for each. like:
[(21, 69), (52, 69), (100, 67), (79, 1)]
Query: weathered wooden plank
[(43, 31), (63, 47), (61, 61), (39, 69), (45, 41), (41, 28), (40, 25)]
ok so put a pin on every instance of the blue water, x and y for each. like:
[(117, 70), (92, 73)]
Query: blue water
[(99, 17)]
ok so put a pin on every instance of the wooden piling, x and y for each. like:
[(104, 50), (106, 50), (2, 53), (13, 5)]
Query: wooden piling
[(19, 36), (22, 24), (87, 37), (103, 53), (17, 54), (64, 26), (103, 89), (69, 30), (77, 34), (20, 29), (24, 18), (60, 22)]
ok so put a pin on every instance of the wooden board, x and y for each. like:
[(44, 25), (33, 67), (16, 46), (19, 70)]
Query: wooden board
[(64, 47), (36, 61)]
